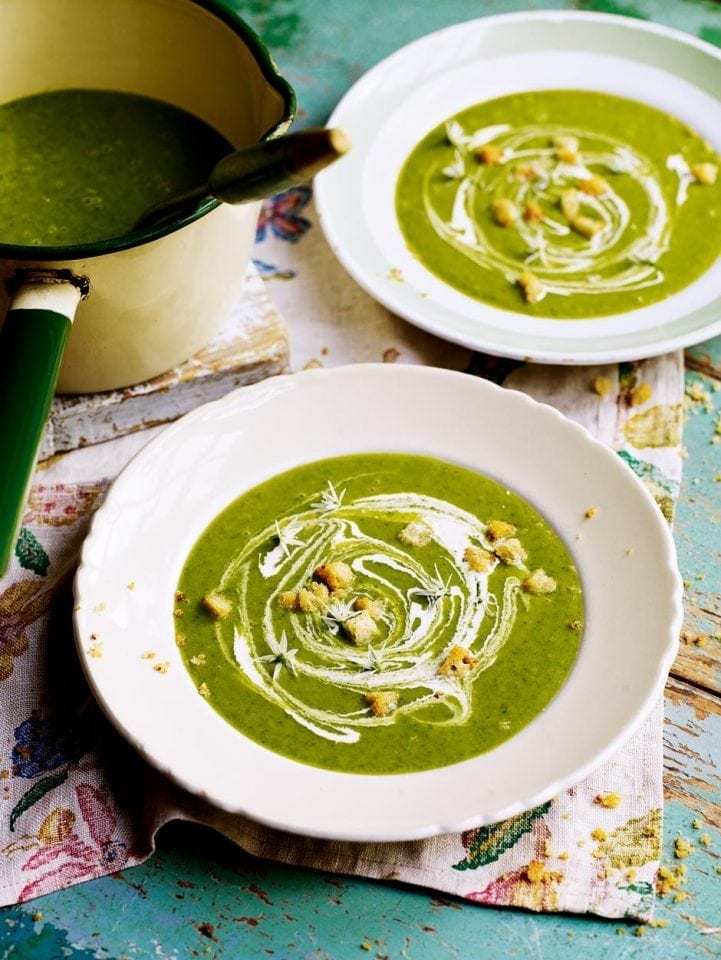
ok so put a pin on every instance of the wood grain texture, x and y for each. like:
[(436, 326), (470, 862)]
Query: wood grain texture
[(253, 345)]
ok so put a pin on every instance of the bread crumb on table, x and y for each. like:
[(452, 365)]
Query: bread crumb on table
[(682, 848), (608, 800), (602, 386), (641, 394)]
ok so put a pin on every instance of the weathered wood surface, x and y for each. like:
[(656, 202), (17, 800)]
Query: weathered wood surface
[(253, 345)]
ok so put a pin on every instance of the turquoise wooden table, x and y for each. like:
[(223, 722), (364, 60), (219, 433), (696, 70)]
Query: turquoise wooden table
[(200, 897)]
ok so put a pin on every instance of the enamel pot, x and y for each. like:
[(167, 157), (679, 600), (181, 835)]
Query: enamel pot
[(85, 318)]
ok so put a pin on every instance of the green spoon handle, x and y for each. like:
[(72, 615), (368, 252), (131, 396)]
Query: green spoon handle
[(32, 341)]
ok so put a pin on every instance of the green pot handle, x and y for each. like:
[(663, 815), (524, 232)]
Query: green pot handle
[(32, 340)]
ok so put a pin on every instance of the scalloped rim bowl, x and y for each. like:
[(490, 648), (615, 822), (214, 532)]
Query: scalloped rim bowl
[(405, 96), (174, 487)]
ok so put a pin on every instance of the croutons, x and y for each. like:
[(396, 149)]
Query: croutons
[(361, 628), (415, 534), (288, 600), (570, 203), (586, 226), (705, 173), (505, 212), (500, 530), (218, 606), (531, 287), (490, 154), (458, 663), (478, 559), (382, 703), (566, 149), (533, 211), (374, 608), (538, 582), (531, 171), (338, 577), (511, 552), (595, 186), (313, 597)]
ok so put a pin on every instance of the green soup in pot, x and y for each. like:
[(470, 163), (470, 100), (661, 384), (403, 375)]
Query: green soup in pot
[(80, 166), (379, 613), (566, 204)]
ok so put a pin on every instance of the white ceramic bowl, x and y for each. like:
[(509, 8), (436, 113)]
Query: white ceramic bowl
[(401, 99), (164, 499)]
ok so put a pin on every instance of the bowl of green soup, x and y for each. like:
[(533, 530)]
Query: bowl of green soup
[(106, 108), (375, 603), (543, 185)]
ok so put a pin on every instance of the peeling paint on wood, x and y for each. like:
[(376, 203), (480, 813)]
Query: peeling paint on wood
[(254, 345)]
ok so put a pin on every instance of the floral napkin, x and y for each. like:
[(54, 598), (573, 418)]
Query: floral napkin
[(78, 803)]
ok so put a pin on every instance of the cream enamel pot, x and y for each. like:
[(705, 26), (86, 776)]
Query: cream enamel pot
[(95, 317)]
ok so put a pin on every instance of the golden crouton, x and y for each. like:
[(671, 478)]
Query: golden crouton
[(288, 600), (570, 203), (382, 703), (586, 226), (313, 597), (566, 149), (490, 154), (360, 629), (532, 171), (338, 577), (505, 212), (595, 186), (533, 211), (705, 173), (218, 606), (500, 529), (374, 608), (415, 534), (510, 552), (459, 662), (539, 583), (478, 559), (531, 287)]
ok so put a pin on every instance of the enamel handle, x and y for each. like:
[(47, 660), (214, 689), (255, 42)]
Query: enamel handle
[(32, 341)]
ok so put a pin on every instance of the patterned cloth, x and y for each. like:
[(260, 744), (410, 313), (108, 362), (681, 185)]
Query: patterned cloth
[(78, 803)]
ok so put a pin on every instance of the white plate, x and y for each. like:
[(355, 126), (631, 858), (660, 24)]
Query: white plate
[(401, 99), (168, 494)]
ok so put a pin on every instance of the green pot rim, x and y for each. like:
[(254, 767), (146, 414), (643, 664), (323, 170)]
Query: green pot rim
[(80, 251)]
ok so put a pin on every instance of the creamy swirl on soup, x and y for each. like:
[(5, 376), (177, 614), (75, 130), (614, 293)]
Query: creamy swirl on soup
[(379, 612)]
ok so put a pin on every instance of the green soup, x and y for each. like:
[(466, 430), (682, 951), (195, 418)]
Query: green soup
[(379, 613), (80, 166), (562, 203)]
